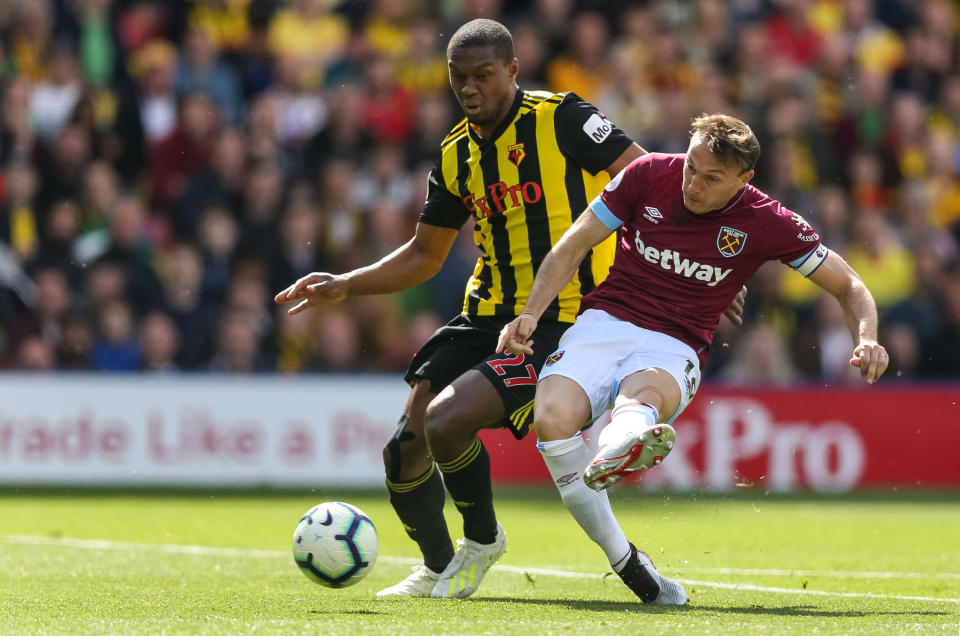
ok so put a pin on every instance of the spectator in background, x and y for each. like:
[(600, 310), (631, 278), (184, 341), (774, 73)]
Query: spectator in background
[(530, 47), (200, 70), (238, 345), (308, 37), (218, 234), (341, 214), (263, 200), (115, 347), (184, 153), (97, 47), (106, 280), (147, 111), (35, 354), (388, 28), (421, 68), (344, 136), (942, 352), (794, 39), (226, 22), (882, 262), (194, 315), (299, 251), (385, 178), (433, 114), (17, 132), (159, 342), (60, 232), (582, 67), (19, 226), (338, 342), (296, 341), (761, 357), (62, 166), (387, 110), (154, 66), (32, 39), (297, 112), (248, 295), (53, 99), (130, 247), (43, 317), (221, 183), (76, 342)]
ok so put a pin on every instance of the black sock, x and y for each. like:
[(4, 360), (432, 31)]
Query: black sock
[(468, 481), (419, 504)]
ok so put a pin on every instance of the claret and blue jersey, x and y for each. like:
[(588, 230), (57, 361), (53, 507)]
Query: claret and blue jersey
[(675, 271)]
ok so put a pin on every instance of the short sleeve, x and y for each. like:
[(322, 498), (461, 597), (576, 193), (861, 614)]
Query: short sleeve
[(442, 207), (796, 243), (615, 204), (585, 135)]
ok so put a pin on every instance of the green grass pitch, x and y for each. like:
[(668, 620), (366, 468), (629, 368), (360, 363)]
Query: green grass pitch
[(120, 563)]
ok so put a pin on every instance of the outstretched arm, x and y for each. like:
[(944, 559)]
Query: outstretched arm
[(410, 264), (555, 272), (859, 311)]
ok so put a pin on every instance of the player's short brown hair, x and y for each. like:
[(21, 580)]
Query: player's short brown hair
[(728, 138), (483, 32)]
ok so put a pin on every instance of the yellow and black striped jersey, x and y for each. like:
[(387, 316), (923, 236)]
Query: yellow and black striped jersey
[(524, 186)]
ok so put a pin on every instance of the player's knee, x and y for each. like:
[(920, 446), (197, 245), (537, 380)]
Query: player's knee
[(405, 457), (446, 428), (553, 421)]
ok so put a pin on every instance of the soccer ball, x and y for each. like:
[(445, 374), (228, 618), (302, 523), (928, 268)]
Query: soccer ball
[(335, 544)]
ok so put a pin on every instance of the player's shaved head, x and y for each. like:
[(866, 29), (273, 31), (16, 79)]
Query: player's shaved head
[(483, 32), (729, 138)]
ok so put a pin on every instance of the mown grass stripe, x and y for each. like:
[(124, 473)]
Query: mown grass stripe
[(198, 550)]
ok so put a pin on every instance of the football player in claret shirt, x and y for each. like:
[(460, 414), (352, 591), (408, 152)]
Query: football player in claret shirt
[(691, 231), (522, 165)]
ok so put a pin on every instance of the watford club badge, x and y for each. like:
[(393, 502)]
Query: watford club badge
[(730, 242), (515, 154), (554, 357)]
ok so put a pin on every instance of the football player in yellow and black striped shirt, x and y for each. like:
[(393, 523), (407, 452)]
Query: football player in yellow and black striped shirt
[(522, 165)]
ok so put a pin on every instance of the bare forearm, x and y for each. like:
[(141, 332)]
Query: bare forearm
[(404, 267), (859, 312), (555, 272)]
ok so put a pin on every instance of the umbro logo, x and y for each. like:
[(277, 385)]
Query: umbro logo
[(568, 479), (652, 214)]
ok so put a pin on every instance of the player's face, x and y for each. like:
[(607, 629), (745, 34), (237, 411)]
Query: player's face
[(483, 85), (708, 182)]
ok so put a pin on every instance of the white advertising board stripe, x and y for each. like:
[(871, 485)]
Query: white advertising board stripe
[(197, 550), (197, 429)]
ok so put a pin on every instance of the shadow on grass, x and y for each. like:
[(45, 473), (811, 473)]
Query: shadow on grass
[(352, 612), (629, 606)]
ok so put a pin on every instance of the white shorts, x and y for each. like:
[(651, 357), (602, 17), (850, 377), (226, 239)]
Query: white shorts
[(599, 351)]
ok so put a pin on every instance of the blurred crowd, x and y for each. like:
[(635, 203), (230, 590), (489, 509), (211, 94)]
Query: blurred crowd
[(167, 166)]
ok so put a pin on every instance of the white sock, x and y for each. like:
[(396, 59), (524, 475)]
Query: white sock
[(627, 417), (566, 459)]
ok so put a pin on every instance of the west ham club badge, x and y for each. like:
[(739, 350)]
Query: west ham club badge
[(730, 242)]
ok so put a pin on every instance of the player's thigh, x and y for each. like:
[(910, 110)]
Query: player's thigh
[(470, 403), (587, 356), (514, 378), (561, 408), (453, 350)]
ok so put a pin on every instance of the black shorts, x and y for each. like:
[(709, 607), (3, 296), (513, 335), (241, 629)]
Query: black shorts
[(468, 342)]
